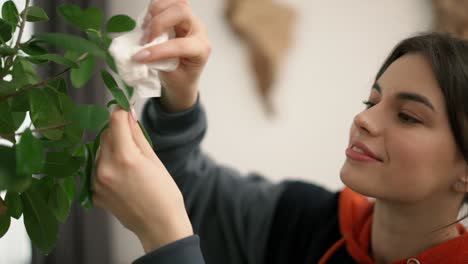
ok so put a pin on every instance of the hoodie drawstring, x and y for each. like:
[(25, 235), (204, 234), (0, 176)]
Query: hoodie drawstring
[(331, 251)]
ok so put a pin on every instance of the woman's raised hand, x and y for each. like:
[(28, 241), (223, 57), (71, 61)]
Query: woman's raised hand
[(133, 184), (191, 46)]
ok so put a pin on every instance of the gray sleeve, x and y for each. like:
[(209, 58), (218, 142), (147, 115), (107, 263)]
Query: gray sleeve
[(231, 212), (184, 251)]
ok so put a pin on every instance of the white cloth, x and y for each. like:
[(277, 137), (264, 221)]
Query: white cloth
[(143, 77)]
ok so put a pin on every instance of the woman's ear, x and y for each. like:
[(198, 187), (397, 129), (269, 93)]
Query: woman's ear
[(461, 185)]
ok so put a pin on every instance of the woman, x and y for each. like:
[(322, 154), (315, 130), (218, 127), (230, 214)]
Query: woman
[(408, 149)]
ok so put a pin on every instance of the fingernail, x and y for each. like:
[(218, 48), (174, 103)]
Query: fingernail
[(146, 20), (142, 55), (144, 37), (134, 115)]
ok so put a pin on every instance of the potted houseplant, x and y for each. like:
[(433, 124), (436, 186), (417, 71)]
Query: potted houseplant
[(46, 166)]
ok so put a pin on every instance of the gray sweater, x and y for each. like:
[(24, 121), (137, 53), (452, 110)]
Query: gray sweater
[(231, 213)]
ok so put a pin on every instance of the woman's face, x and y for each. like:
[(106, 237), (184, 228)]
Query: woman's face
[(406, 127)]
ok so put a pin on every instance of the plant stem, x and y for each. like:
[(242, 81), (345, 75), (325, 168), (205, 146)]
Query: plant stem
[(10, 60), (22, 25), (38, 129), (43, 82)]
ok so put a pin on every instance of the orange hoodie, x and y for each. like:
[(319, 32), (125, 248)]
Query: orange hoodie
[(355, 218)]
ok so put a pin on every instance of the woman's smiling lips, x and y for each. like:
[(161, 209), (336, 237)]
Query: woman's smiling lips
[(360, 152)]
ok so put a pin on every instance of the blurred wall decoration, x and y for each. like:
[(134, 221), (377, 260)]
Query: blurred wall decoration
[(266, 28), (451, 16)]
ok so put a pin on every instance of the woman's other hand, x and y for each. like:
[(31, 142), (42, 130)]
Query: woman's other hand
[(133, 184), (191, 46)]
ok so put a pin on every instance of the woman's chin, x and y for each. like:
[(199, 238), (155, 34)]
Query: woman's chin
[(357, 181)]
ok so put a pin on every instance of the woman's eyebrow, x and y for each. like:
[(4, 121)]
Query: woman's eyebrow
[(408, 96)]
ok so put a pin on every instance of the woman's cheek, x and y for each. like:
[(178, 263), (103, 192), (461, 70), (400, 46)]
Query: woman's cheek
[(409, 172)]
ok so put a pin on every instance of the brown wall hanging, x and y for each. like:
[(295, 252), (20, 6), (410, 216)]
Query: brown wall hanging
[(451, 16), (265, 26)]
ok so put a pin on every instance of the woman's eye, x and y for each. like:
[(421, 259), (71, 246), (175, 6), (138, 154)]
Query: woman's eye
[(408, 119), (368, 104)]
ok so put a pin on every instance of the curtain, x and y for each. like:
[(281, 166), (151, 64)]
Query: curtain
[(85, 237)]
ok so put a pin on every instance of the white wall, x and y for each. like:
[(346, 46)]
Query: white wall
[(338, 49)]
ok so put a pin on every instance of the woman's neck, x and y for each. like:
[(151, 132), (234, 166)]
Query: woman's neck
[(400, 232)]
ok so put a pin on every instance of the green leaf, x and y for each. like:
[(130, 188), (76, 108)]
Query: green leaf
[(14, 205), (94, 18), (7, 125), (129, 90), (59, 203), (55, 58), (103, 41), (9, 178), (41, 225), (19, 103), (7, 167), (71, 13), (73, 133), (58, 85), (115, 90), (53, 96), (44, 186), (120, 23), (35, 14), (18, 119), (86, 198), (10, 13), (45, 113), (4, 224), (80, 151), (97, 140), (146, 134), (80, 76), (5, 30), (33, 48), (61, 164), (6, 87), (74, 15), (7, 51), (91, 117), (111, 62), (30, 156), (54, 145), (111, 102), (70, 188), (69, 42), (23, 72)]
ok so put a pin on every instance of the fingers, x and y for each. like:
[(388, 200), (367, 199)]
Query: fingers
[(178, 17), (141, 141), (194, 48), (121, 139), (158, 6)]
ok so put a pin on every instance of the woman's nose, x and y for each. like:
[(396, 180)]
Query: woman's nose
[(367, 123)]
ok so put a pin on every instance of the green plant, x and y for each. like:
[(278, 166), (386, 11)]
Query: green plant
[(41, 167)]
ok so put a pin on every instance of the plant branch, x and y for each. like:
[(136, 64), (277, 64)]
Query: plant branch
[(23, 24), (38, 129), (9, 61), (41, 83)]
